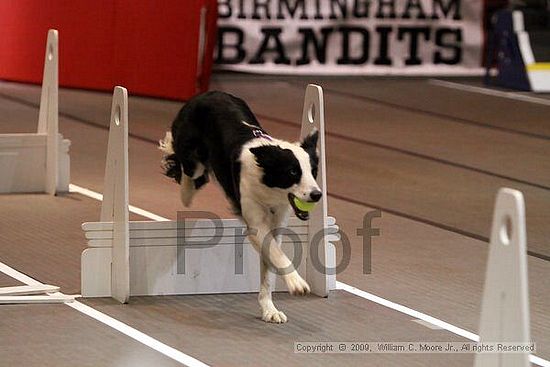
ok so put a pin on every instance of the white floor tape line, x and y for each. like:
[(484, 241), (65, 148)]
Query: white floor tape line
[(98, 196), (408, 311), (539, 361), (345, 287), (125, 329), (427, 318), (490, 92), (138, 335)]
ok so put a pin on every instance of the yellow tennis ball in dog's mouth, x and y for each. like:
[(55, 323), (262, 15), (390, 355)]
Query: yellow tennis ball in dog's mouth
[(305, 206)]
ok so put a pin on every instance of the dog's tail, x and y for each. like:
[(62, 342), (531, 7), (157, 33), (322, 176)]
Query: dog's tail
[(170, 163)]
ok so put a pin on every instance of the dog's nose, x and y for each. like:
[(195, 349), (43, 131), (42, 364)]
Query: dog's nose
[(315, 195)]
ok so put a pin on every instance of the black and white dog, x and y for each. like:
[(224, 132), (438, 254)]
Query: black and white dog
[(217, 133)]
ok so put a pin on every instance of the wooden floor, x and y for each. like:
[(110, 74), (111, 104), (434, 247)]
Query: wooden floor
[(430, 157)]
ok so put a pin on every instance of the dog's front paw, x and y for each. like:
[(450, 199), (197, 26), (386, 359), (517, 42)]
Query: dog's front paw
[(296, 285), (273, 315)]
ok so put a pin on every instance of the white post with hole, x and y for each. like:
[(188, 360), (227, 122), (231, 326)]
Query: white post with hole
[(505, 305), (195, 256), (313, 117), (38, 162), (115, 195)]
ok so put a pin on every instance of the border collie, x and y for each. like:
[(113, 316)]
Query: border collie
[(217, 134)]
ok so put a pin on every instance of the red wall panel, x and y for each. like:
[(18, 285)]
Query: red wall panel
[(150, 47)]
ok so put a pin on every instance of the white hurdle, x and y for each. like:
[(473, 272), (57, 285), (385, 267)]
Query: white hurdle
[(194, 256), (38, 162), (505, 305)]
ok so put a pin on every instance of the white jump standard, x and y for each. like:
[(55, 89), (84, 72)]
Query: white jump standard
[(505, 306), (141, 258), (38, 162)]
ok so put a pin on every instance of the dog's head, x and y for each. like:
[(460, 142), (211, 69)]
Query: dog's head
[(291, 168)]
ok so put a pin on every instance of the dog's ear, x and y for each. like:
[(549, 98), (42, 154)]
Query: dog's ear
[(310, 141), (266, 155)]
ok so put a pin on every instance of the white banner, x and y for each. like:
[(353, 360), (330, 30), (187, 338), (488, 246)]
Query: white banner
[(338, 37)]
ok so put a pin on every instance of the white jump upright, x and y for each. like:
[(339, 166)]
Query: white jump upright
[(115, 195), (38, 162), (505, 305), (313, 117), (194, 256)]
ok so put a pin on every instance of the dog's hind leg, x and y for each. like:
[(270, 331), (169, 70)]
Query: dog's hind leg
[(187, 190), (170, 162), (185, 167), (192, 181)]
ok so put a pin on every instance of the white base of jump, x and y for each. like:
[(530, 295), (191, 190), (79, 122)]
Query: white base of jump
[(23, 163), (157, 267), (126, 258), (38, 162)]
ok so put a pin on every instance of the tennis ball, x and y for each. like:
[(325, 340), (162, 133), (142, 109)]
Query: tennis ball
[(304, 206)]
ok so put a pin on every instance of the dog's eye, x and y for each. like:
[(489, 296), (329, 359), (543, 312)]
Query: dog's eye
[(314, 172), (293, 172)]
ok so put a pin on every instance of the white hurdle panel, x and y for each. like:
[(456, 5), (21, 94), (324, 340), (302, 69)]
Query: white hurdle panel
[(38, 162), (505, 305), (159, 258)]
